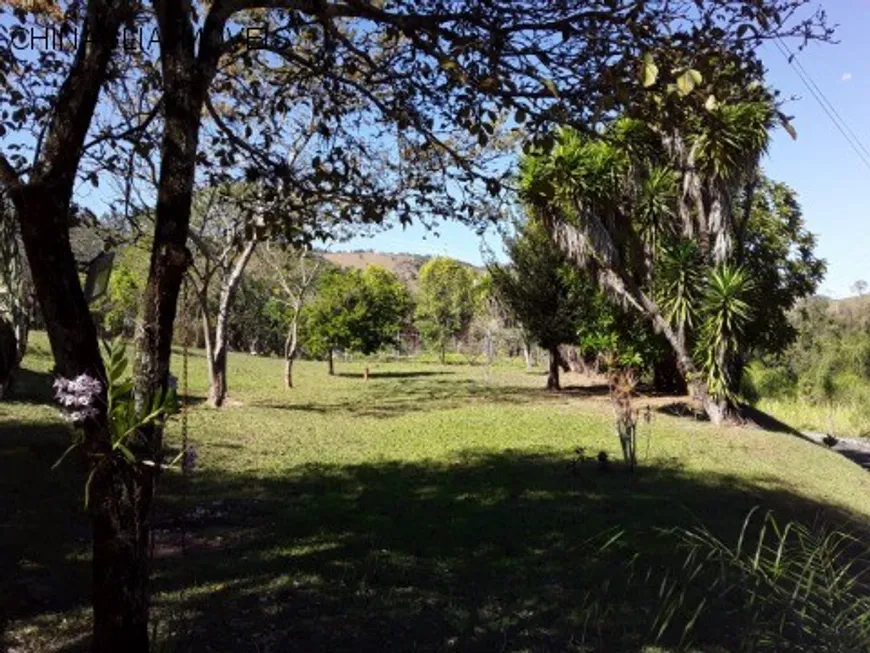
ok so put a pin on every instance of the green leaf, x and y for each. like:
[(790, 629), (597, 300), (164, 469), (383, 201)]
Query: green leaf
[(116, 370), (685, 83), (712, 103), (125, 452), (649, 71)]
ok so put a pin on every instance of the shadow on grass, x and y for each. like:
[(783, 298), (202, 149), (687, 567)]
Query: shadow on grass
[(493, 552), (393, 396), (376, 374), (30, 387), (489, 552), (44, 532)]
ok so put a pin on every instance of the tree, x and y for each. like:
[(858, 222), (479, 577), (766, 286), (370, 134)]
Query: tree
[(441, 73), (660, 225), (355, 311), (120, 305), (256, 324), (225, 238), (859, 287), (445, 301), (15, 291), (296, 272), (547, 295)]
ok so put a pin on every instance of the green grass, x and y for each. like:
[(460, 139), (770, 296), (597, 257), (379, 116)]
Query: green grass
[(846, 418), (431, 508)]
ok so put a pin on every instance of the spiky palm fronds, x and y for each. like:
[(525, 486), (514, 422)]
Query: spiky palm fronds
[(681, 283), (656, 207), (732, 139), (725, 312)]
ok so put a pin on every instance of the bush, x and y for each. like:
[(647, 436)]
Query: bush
[(768, 382)]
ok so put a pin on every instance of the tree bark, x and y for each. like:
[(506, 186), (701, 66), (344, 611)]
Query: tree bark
[(331, 364), (553, 375), (288, 372), (290, 345), (206, 336), (217, 391), (121, 500), (527, 353), (186, 79), (42, 206)]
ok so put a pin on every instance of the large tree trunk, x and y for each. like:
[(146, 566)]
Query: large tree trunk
[(42, 207), (121, 500), (185, 84), (553, 375)]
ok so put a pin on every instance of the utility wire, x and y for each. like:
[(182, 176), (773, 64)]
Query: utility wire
[(797, 62), (832, 113)]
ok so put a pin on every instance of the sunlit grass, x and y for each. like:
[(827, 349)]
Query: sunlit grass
[(428, 503)]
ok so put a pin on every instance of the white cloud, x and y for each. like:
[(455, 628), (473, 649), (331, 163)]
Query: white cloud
[(846, 77)]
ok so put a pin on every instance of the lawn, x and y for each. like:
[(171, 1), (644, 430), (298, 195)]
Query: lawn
[(432, 507)]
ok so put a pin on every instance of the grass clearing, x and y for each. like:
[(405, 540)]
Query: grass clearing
[(434, 507)]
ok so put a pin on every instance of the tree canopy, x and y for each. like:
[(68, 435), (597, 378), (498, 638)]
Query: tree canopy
[(445, 301), (355, 310)]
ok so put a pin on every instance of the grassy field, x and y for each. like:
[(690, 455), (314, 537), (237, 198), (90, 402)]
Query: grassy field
[(431, 508)]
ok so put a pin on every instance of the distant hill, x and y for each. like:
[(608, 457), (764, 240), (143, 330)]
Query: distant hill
[(850, 308), (405, 266)]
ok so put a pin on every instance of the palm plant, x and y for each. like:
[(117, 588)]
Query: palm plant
[(681, 280), (648, 208), (724, 312)]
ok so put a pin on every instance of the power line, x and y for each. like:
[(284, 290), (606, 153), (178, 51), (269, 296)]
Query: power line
[(797, 62), (831, 111)]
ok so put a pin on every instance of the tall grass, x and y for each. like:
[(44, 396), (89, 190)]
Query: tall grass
[(783, 587), (819, 400)]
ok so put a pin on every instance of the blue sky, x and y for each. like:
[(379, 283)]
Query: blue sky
[(831, 180)]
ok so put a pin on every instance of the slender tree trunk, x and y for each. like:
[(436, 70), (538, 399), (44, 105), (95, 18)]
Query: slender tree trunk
[(289, 354), (288, 372), (331, 364), (553, 375), (527, 353), (217, 391), (207, 342)]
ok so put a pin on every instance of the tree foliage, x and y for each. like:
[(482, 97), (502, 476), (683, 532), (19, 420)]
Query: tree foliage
[(445, 301), (678, 224), (546, 294), (354, 310)]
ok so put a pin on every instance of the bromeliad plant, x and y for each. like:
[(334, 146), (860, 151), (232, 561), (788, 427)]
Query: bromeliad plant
[(83, 400)]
